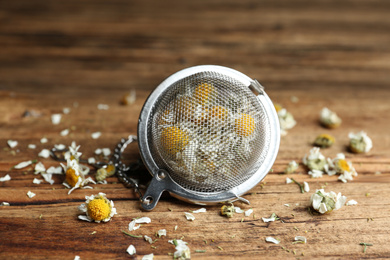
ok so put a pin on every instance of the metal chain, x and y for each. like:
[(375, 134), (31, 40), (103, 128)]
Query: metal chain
[(121, 169)]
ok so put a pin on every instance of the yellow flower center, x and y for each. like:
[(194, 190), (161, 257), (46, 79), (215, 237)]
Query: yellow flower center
[(173, 139), (71, 177), (245, 125), (342, 165), (219, 112), (202, 92), (278, 107), (99, 209)]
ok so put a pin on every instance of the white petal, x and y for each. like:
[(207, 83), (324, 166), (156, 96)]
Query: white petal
[(47, 177), (148, 257), (12, 143), (106, 151), (238, 210), (66, 110), (322, 208), (143, 220), (23, 165), (96, 135), (32, 146), (64, 132), (60, 146), (272, 240), (45, 153), (36, 181), (30, 194), (5, 178), (56, 119), (91, 160), (351, 203), (162, 232), (316, 201), (148, 239), (131, 250), (199, 210), (248, 212), (189, 216), (132, 226), (39, 167), (341, 200), (85, 218), (103, 106), (306, 187), (288, 180), (98, 151), (43, 140), (77, 257), (4, 203), (301, 238), (54, 170)]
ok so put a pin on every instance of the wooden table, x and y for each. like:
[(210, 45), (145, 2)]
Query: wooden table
[(79, 54)]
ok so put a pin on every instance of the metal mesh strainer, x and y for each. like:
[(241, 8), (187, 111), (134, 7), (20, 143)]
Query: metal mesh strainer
[(206, 137)]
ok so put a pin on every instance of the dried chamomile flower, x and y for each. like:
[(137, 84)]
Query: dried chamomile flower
[(315, 160), (182, 250), (227, 210), (324, 141), (286, 119), (105, 172), (360, 142), (340, 165), (329, 119), (97, 208), (291, 168), (129, 98), (325, 202), (74, 178)]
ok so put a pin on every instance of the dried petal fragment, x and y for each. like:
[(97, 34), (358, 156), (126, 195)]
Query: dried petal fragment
[(272, 240), (189, 216), (5, 178), (131, 250)]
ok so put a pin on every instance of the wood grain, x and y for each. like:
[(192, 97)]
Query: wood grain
[(78, 54)]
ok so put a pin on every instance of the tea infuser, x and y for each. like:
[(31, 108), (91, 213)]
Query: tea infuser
[(206, 134)]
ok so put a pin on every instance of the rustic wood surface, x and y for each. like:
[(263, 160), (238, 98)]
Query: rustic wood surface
[(78, 54)]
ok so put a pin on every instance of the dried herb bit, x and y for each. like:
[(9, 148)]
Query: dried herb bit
[(300, 185), (131, 235), (324, 141), (365, 246), (227, 210), (200, 251), (291, 167)]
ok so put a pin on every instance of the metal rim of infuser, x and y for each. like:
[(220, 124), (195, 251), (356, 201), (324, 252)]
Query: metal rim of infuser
[(206, 137)]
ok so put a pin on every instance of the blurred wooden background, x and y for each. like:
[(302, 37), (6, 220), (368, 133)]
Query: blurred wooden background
[(78, 54)]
